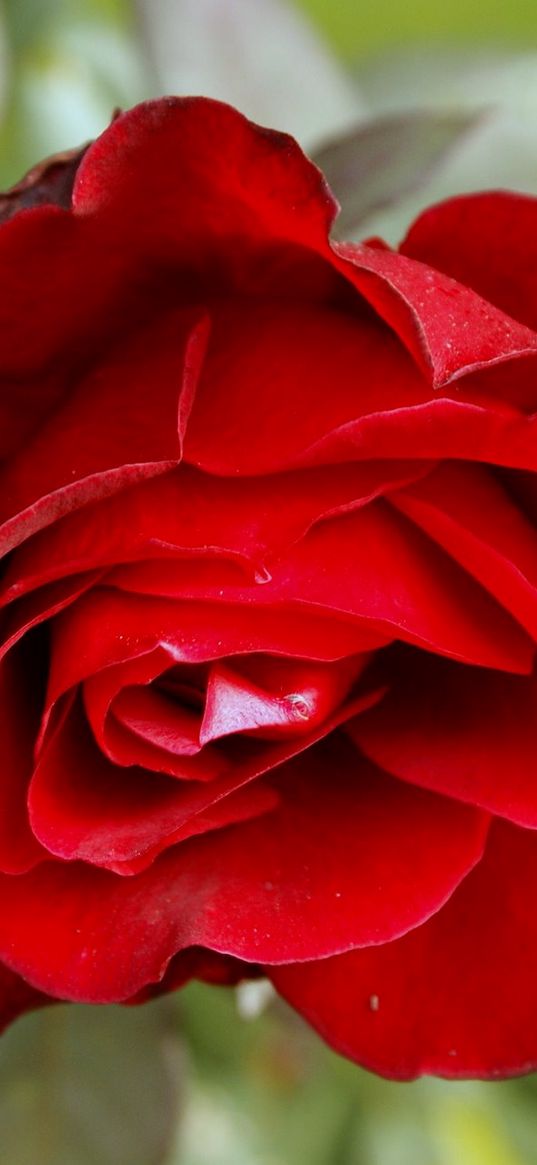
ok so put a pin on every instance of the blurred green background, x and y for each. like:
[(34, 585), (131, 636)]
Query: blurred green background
[(211, 1076)]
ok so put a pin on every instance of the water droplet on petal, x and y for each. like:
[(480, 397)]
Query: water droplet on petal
[(262, 575), (299, 706)]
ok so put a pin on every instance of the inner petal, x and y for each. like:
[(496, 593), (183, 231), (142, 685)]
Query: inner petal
[(269, 697), (159, 719)]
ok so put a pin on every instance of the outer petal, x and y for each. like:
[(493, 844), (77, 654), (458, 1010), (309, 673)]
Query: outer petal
[(125, 436), (455, 997), (264, 187), (449, 329), (335, 385), (197, 184), (466, 732), (320, 874), (50, 182), (486, 241), (172, 183), (466, 510)]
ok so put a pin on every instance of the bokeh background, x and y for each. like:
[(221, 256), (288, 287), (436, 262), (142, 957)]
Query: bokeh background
[(403, 103)]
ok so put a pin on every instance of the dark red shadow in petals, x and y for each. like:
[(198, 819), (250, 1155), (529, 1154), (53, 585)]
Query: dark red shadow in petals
[(317, 876), (164, 739), (48, 183), (465, 509), (488, 242), (466, 732), (198, 963), (21, 695), (17, 997), (108, 432), (455, 997), (449, 330), (41, 606), (99, 691)]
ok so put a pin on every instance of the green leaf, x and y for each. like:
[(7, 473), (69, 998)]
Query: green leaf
[(381, 162), (88, 1086), (497, 89)]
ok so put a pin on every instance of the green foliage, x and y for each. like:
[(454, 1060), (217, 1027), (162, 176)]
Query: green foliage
[(360, 27), (267, 1092), (88, 1086), (187, 1081)]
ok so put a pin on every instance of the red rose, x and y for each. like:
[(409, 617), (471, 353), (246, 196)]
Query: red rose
[(269, 595)]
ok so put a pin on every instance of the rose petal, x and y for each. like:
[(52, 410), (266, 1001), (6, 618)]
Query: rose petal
[(84, 807), (273, 698), (456, 996), (375, 857), (21, 692), (466, 732), (314, 369), (185, 511), (125, 436), (108, 626), (449, 329), (483, 429), (170, 184), (50, 182), (219, 189), (486, 241), (466, 510), (346, 566), (42, 605), (17, 996)]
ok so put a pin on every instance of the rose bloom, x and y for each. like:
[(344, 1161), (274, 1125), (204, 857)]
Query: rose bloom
[(269, 595)]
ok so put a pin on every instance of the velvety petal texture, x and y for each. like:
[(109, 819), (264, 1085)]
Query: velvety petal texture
[(268, 595), (456, 996)]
